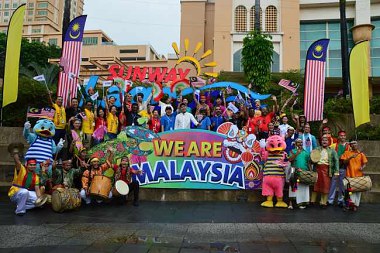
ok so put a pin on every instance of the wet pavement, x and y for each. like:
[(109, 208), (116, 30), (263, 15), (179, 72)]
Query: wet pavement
[(187, 227)]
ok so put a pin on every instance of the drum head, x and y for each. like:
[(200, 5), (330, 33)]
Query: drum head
[(122, 187), (315, 155), (41, 201)]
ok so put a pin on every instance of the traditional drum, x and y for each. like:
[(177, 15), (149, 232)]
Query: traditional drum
[(65, 199), (307, 177), (41, 200), (315, 155), (358, 184), (100, 187)]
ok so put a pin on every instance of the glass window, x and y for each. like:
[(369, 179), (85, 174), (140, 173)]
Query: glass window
[(5, 20), (53, 41), (36, 30), (237, 61), (42, 13), (311, 32), (129, 51), (375, 49), (276, 62), (15, 5), (6, 13), (90, 41), (42, 5), (31, 5), (240, 19), (271, 19), (6, 6), (30, 13)]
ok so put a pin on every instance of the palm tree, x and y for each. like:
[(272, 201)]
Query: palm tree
[(50, 72)]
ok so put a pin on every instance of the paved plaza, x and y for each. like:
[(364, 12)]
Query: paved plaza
[(187, 227)]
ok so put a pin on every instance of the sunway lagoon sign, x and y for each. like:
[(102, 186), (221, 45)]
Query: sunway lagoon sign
[(200, 159), (165, 75)]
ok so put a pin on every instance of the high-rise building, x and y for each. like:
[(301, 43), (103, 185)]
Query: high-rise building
[(43, 18)]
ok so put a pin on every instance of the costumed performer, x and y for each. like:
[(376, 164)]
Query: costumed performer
[(356, 162), (95, 170), (25, 186), (300, 161), (124, 172), (42, 146), (327, 167), (273, 172)]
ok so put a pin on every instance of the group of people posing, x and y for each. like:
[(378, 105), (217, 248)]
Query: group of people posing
[(82, 128)]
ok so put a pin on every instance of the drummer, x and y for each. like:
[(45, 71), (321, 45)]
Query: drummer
[(124, 172), (25, 186), (64, 177), (327, 167), (355, 162), (94, 170), (300, 161)]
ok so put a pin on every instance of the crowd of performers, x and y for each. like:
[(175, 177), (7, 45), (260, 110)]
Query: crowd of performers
[(78, 129)]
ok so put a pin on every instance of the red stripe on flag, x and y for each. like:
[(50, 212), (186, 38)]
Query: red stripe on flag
[(314, 90)]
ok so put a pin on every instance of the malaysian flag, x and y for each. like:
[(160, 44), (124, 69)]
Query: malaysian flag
[(46, 113), (72, 48), (315, 80), (289, 85)]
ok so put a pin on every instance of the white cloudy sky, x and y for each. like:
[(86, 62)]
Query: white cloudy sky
[(131, 22)]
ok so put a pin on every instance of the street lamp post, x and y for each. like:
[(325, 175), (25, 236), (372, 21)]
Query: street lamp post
[(257, 16), (344, 47)]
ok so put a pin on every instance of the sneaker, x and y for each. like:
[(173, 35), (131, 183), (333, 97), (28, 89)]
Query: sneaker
[(20, 214), (302, 207), (290, 207)]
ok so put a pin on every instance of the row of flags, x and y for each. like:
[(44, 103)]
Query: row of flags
[(71, 58)]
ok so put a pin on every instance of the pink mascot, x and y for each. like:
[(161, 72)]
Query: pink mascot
[(273, 173)]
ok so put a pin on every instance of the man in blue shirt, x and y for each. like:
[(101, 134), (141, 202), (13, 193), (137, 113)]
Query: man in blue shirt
[(204, 120), (168, 120), (218, 119)]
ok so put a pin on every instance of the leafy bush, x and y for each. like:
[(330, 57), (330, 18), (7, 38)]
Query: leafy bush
[(368, 132)]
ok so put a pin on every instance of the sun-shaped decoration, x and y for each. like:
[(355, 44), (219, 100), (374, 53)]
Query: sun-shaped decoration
[(76, 27), (318, 48), (194, 61)]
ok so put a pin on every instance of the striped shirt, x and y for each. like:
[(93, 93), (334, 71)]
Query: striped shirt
[(41, 150), (273, 169)]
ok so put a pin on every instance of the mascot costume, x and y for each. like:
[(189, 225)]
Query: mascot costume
[(273, 173), (42, 146)]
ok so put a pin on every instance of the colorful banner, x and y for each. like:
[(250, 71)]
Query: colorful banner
[(46, 113), (12, 59), (197, 159), (359, 82)]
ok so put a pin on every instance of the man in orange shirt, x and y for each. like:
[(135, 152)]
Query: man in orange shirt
[(356, 162)]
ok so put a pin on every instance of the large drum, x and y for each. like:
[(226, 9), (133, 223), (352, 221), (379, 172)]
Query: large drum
[(358, 184), (100, 187), (308, 177), (65, 199)]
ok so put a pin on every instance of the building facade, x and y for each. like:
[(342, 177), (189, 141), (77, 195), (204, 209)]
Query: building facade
[(293, 25), (43, 18)]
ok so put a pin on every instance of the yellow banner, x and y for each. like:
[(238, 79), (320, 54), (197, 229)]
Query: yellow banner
[(12, 59), (359, 82)]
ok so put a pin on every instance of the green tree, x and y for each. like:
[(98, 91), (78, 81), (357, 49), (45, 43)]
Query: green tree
[(30, 93), (49, 71), (257, 59)]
